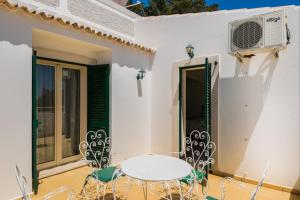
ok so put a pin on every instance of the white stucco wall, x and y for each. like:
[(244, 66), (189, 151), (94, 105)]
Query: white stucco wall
[(258, 100), (130, 106), (130, 112), (15, 103)]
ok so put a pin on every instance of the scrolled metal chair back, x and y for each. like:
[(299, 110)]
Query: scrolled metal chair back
[(95, 149), (22, 184), (199, 149)]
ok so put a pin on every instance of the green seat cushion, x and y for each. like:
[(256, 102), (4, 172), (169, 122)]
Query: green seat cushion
[(199, 177), (105, 175), (211, 198)]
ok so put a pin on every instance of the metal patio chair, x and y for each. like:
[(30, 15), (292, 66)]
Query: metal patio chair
[(96, 152), (198, 152), (25, 190), (240, 185)]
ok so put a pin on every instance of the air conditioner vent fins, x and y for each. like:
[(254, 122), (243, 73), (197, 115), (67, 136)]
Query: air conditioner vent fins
[(247, 35)]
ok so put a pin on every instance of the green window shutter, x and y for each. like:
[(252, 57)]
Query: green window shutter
[(35, 182), (98, 100)]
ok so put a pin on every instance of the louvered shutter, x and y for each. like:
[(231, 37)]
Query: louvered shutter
[(35, 183), (208, 97), (98, 100), (207, 103)]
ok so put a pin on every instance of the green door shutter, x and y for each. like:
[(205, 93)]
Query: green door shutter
[(207, 103), (208, 96), (98, 100), (34, 127)]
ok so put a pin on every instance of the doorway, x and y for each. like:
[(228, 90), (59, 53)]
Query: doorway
[(193, 100), (60, 104), (194, 105)]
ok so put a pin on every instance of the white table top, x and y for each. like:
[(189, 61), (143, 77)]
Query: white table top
[(156, 168)]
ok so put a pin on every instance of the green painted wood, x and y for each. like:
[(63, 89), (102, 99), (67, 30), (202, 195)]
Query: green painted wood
[(35, 182), (208, 97), (180, 109), (98, 100), (207, 102), (211, 198)]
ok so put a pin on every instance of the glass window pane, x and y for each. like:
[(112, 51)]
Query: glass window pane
[(46, 113), (70, 112)]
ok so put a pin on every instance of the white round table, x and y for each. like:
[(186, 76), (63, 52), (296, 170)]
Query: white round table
[(155, 168)]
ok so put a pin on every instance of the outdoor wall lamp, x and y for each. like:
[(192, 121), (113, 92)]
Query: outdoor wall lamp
[(141, 74), (190, 50)]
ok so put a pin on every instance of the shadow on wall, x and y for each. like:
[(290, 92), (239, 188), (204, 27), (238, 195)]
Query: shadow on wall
[(132, 58), (175, 108), (242, 99), (215, 115), (139, 88)]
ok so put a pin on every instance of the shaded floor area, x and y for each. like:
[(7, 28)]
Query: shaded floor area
[(75, 179)]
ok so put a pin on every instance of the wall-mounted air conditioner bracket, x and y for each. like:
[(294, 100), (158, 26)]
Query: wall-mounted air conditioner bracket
[(240, 57), (276, 52)]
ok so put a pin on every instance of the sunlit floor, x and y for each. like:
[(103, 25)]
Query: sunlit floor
[(75, 179)]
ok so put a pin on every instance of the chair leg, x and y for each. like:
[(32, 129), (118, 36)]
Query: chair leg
[(114, 189), (180, 190), (104, 191), (86, 181), (205, 188), (191, 190), (165, 189), (129, 188), (169, 189), (197, 186), (98, 197), (100, 189)]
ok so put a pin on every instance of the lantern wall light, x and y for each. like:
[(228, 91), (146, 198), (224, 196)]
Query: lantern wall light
[(141, 74), (190, 50)]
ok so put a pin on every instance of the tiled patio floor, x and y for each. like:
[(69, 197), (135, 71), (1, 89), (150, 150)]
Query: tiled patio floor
[(75, 179)]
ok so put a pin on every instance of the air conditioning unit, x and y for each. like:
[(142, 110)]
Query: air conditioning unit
[(258, 32)]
